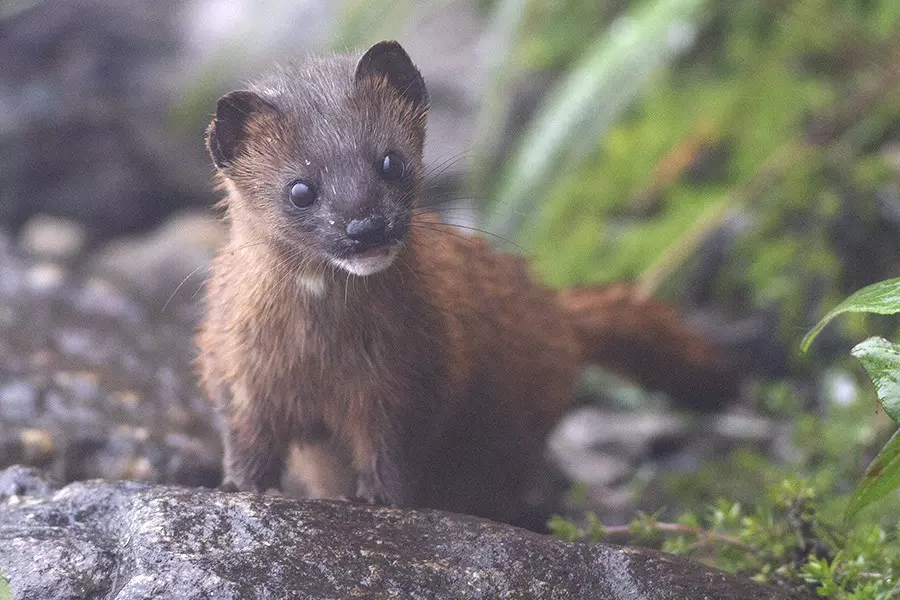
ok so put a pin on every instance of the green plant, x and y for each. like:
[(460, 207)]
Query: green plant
[(780, 539), (605, 79), (5, 590), (881, 360), (809, 528), (771, 124)]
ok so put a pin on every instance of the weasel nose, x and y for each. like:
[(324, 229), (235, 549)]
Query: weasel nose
[(369, 231)]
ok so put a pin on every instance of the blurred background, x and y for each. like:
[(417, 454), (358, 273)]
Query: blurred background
[(740, 159)]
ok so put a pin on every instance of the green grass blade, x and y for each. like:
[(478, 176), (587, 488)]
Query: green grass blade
[(881, 360), (498, 68), (611, 73), (882, 298), (881, 478)]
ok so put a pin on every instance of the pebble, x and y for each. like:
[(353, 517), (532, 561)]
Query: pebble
[(18, 401), (49, 237), (45, 277), (38, 444)]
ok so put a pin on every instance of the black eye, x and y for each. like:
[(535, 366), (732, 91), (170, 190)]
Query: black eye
[(391, 167), (302, 194)]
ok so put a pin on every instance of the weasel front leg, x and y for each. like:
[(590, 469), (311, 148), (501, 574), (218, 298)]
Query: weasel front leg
[(255, 447), (389, 470), (324, 470)]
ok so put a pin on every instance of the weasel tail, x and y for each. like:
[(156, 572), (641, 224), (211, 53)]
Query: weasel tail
[(647, 341)]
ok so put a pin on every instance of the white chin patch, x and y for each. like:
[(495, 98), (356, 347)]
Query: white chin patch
[(311, 285), (369, 263)]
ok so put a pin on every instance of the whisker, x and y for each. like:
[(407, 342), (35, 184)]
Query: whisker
[(467, 227), (247, 245), (443, 164), (443, 211), (200, 287), (204, 266), (441, 231), (478, 205), (346, 287), (178, 287)]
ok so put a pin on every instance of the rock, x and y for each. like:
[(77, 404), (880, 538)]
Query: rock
[(627, 434), (88, 90), (96, 380), (166, 266), (52, 238), (136, 540), (446, 46), (612, 452)]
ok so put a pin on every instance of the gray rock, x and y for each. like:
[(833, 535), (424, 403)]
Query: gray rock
[(135, 540), (627, 434), (87, 91), (166, 266), (52, 238), (96, 380)]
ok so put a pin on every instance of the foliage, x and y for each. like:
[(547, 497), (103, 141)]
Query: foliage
[(767, 131), (881, 298), (882, 361), (781, 539), (598, 87), (770, 131), (802, 531), (5, 591)]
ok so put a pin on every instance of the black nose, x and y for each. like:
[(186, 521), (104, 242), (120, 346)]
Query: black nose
[(369, 231)]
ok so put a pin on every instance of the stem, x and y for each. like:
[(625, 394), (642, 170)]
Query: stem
[(709, 536)]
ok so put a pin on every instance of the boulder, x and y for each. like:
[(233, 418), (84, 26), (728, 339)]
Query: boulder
[(131, 540)]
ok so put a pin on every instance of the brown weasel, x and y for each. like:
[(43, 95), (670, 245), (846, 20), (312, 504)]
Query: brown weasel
[(413, 365)]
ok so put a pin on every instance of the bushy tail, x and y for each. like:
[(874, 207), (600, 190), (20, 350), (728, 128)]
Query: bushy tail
[(646, 340)]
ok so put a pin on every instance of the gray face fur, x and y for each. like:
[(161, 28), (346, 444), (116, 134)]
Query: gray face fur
[(328, 123)]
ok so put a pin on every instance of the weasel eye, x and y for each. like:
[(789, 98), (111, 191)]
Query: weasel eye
[(391, 167), (302, 194)]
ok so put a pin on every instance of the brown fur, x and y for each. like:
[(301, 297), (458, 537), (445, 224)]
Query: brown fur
[(432, 383)]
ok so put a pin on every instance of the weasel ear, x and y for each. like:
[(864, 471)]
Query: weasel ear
[(227, 134), (389, 60)]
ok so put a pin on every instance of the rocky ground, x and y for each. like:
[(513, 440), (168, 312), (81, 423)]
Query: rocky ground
[(95, 367), (129, 541)]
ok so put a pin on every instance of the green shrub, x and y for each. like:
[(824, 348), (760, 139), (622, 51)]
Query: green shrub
[(802, 532)]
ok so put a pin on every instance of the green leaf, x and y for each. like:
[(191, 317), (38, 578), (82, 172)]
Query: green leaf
[(5, 590), (881, 359), (608, 76), (882, 298), (499, 70), (563, 528), (882, 477)]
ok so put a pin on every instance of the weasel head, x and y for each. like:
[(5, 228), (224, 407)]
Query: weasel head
[(324, 159)]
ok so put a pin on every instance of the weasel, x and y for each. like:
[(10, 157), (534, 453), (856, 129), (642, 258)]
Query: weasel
[(412, 365)]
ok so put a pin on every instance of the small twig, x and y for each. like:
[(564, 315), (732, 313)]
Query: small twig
[(709, 536)]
